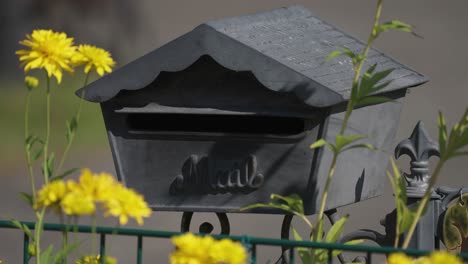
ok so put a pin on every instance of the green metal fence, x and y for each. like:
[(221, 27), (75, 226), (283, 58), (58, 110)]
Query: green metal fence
[(249, 242)]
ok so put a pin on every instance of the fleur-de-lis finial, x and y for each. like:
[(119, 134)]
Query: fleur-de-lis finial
[(419, 147)]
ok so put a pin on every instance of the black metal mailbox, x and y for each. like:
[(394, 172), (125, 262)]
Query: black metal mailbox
[(224, 115)]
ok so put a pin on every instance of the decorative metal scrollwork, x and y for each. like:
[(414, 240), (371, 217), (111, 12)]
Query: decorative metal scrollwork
[(208, 176), (419, 147), (448, 195), (205, 227)]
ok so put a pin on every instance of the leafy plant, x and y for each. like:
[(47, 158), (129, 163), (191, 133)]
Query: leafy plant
[(52, 53), (363, 92), (404, 215), (451, 145)]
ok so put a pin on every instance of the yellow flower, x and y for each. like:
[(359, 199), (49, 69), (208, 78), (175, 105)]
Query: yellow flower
[(126, 203), (93, 58), (95, 260), (77, 203), (191, 249), (48, 50), (444, 257), (227, 251), (399, 258), (31, 82), (422, 260), (437, 257), (51, 194), (98, 186)]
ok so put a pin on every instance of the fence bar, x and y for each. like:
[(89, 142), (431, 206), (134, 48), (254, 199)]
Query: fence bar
[(102, 248), (330, 256), (254, 254), (369, 257), (140, 250), (254, 241), (291, 255), (25, 249)]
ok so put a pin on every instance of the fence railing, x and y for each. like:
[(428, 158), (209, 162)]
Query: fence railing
[(251, 243)]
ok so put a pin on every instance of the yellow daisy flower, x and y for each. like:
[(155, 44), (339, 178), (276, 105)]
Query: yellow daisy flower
[(77, 203), (98, 186), (126, 203), (31, 82), (48, 50), (444, 257), (191, 249), (51, 194), (227, 251), (93, 58)]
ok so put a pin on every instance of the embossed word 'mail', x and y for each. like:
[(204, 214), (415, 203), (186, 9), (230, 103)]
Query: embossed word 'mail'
[(213, 176)]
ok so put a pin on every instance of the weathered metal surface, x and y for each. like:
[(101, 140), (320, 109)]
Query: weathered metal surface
[(285, 49), (419, 147), (217, 119)]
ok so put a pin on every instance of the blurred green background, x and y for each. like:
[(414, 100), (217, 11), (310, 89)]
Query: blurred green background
[(91, 136), (130, 29)]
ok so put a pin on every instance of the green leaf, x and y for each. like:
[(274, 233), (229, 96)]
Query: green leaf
[(46, 255), (354, 242), (369, 82), (50, 165), (22, 227), (335, 231), (319, 143), (370, 100), (61, 255), (65, 174), (38, 153), (304, 253), (71, 127), (333, 55), (355, 58), (27, 198), (405, 216), (342, 141), (296, 235), (358, 146), (442, 134), (394, 25), (317, 231), (293, 202)]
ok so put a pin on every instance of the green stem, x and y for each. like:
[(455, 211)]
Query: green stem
[(64, 234), (93, 233), (73, 133), (28, 147), (397, 236), (423, 202), (358, 67), (349, 108), (323, 202), (37, 234), (46, 141)]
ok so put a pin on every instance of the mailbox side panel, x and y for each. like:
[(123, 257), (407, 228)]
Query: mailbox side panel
[(360, 173)]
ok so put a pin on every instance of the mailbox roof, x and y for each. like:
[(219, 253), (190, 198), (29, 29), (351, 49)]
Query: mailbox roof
[(285, 49)]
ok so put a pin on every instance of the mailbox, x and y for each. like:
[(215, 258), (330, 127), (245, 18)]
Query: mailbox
[(224, 115)]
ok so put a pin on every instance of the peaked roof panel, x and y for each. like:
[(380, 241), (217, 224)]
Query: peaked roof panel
[(285, 49)]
